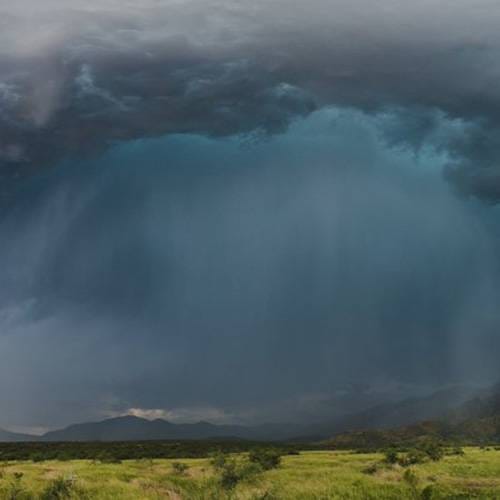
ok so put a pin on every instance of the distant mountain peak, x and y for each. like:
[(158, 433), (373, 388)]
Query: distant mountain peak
[(454, 404), (126, 418)]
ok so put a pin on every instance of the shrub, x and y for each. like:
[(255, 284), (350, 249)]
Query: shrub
[(391, 456), (63, 456), (37, 457), (108, 458), (457, 450), (16, 490), (429, 450), (433, 450), (218, 460), (229, 476), (413, 457), (179, 468), (267, 458), (248, 470), (58, 489), (428, 492), (231, 472), (226, 468)]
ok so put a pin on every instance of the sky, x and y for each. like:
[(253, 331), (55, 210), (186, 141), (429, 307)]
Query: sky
[(245, 211)]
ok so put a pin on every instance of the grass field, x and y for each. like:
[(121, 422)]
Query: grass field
[(310, 475)]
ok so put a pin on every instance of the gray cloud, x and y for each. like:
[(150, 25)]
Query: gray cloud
[(76, 80), (203, 274), (197, 275)]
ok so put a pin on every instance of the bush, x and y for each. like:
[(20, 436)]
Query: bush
[(16, 490), (179, 468), (413, 457), (58, 489), (229, 477), (63, 456), (429, 450), (108, 458), (457, 450), (226, 468), (248, 470), (37, 457), (391, 456), (231, 472), (267, 458), (218, 460), (427, 492), (433, 450)]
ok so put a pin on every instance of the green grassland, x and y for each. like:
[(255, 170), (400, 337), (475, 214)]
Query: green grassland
[(308, 475)]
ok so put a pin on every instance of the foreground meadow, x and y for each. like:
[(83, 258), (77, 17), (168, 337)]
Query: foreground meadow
[(309, 475)]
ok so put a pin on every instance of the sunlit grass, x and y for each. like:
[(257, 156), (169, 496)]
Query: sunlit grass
[(310, 475)]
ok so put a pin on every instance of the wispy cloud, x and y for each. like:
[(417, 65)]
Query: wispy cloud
[(183, 415)]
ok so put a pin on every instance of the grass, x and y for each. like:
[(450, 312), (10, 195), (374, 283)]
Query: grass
[(311, 475)]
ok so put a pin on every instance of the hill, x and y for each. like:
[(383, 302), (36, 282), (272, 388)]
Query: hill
[(389, 415), (130, 428), (476, 422), (448, 413), (14, 437), (401, 413)]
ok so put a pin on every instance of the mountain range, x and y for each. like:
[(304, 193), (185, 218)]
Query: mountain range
[(469, 425), (14, 437), (455, 406)]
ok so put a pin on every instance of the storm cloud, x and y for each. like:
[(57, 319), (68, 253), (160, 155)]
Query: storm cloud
[(244, 282), (77, 79), (245, 211)]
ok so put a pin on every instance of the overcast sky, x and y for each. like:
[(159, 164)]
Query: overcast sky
[(245, 211)]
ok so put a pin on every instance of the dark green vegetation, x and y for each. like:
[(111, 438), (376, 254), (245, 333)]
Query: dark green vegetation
[(232, 470), (266, 458), (114, 452), (475, 423), (471, 432), (179, 467)]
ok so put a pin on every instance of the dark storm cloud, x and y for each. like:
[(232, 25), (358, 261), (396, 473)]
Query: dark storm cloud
[(183, 271), (194, 276), (75, 80)]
